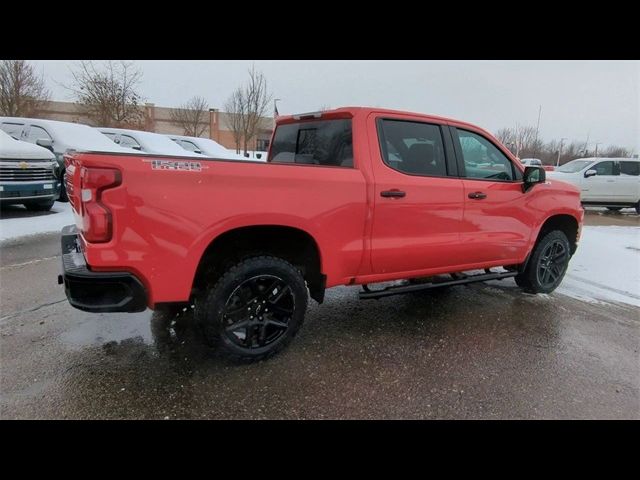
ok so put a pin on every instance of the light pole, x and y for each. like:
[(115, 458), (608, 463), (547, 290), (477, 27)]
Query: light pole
[(560, 151), (599, 143)]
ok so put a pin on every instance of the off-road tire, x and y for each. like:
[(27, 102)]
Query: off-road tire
[(530, 279), (211, 305)]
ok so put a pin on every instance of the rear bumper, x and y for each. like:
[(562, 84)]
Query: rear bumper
[(97, 291)]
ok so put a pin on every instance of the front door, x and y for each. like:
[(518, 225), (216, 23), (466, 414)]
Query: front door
[(601, 187), (418, 202), (497, 225)]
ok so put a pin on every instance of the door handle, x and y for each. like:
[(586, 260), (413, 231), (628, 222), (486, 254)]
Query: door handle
[(477, 195), (392, 193)]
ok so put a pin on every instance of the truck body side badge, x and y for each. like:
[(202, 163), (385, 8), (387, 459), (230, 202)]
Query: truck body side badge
[(179, 165)]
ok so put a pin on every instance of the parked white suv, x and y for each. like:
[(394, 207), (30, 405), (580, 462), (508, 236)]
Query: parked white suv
[(609, 182)]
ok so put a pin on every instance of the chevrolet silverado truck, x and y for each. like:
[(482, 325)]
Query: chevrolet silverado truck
[(352, 196)]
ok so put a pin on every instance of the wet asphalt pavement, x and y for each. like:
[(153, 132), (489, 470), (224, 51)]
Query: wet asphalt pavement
[(476, 351)]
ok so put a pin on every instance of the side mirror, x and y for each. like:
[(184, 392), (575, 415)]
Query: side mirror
[(533, 176), (590, 173), (136, 147), (45, 142), (198, 151)]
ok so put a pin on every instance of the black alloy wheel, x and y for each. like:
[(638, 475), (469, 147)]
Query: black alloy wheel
[(552, 264), (258, 311)]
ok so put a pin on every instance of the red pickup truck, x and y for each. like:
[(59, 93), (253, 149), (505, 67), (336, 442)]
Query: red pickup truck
[(352, 196)]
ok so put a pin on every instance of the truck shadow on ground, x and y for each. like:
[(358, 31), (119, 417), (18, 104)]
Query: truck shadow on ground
[(19, 211)]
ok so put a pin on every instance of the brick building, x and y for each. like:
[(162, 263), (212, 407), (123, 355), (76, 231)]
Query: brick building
[(158, 120)]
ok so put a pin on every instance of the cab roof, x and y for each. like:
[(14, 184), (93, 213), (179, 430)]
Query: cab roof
[(352, 111)]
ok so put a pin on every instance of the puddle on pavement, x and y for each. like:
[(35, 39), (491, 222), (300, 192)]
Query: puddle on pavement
[(155, 333), (101, 329)]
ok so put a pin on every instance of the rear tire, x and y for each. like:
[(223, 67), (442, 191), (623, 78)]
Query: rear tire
[(547, 265), (254, 309), (638, 208), (39, 206)]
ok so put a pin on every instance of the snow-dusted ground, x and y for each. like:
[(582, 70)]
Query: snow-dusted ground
[(11, 228), (606, 266)]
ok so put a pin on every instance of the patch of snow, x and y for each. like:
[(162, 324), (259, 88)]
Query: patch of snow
[(606, 266), (151, 142), (60, 216)]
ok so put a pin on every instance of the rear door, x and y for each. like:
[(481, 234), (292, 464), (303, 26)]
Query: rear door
[(497, 225), (418, 196), (629, 180), (602, 187)]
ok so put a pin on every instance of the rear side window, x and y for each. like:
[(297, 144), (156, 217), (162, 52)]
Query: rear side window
[(630, 168), (13, 129), (326, 142), (414, 148)]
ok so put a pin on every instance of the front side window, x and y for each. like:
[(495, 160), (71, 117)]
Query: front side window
[(36, 133), (630, 168), (605, 168), (573, 166), (129, 142), (414, 148), (325, 142), (482, 159), (187, 145)]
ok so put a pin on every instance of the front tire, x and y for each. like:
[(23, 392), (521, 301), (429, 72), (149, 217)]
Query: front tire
[(548, 264), (254, 309)]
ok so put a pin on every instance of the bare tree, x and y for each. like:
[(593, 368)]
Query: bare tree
[(23, 93), (108, 93), (258, 100), (505, 135), (246, 107), (191, 116), (234, 119)]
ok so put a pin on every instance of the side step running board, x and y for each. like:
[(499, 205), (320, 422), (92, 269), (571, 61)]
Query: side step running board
[(387, 291)]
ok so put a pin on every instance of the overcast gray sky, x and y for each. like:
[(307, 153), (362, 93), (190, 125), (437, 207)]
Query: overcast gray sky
[(599, 98)]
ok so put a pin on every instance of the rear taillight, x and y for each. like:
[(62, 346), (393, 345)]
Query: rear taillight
[(97, 225)]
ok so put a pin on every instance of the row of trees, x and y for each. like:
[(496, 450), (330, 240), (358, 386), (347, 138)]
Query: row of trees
[(109, 94), (523, 141)]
